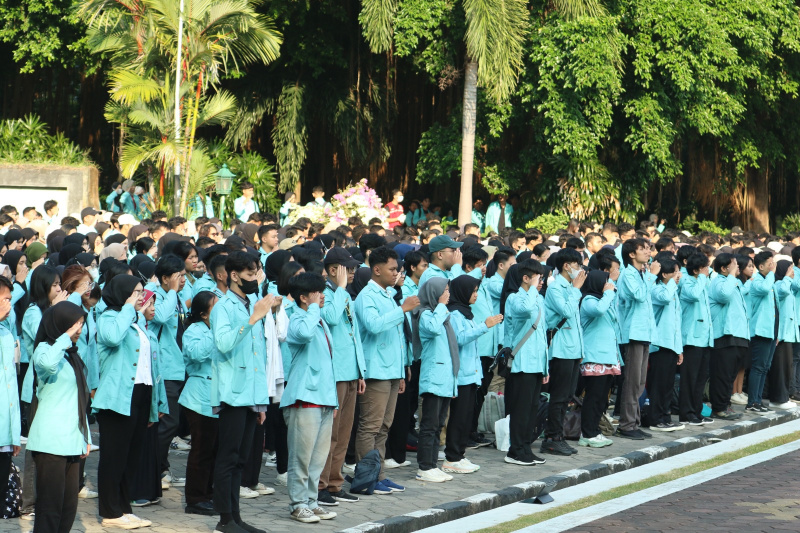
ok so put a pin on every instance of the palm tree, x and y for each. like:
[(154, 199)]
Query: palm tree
[(219, 39)]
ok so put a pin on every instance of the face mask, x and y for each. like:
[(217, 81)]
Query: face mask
[(574, 273), (249, 287), (400, 198), (119, 191), (320, 200), (95, 273)]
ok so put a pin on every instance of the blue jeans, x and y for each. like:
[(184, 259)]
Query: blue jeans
[(762, 350), (309, 441)]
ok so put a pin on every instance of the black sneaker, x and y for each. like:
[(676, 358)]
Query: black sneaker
[(344, 497), (753, 408), (724, 415), (472, 445), (250, 529), (707, 420), (538, 460), (479, 441), (644, 433), (571, 448), (230, 527), (633, 434), (555, 447), (695, 422), (324, 498), (201, 508)]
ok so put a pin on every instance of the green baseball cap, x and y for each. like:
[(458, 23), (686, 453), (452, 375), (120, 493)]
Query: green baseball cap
[(442, 242)]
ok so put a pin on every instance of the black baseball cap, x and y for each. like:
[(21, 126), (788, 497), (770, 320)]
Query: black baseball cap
[(340, 256)]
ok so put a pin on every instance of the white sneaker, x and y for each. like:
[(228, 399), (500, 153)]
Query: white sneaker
[(27, 516), (305, 515), (87, 494), (272, 459), (94, 448), (165, 485), (442, 457), (785, 405), (432, 476), (174, 481), (447, 477), (143, 522), (391, 463), (738, 399), (123, 522), (460, 467), (179, 444), (349, 469), (247, 493), (282, 479), (263, 489)]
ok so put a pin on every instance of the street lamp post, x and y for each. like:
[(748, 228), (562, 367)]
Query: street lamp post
[(223, 180)]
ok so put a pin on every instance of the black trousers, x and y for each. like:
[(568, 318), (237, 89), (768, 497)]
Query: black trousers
[(168, 424), (412, 389), (350, 456), (56, 492), (145, 483), (595, 400), (563, 381), (780, 373), (523, 398), (122, 437), (5, 466), (459, 425), (252, 467), (236, 427), (660, 384), (723, 367), (694, 373), (278, 434), (397, 438), (434, 415), (202, 456), (483, 390)]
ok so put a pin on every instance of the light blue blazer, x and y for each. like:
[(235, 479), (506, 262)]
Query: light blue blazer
[(521, 311), (199, 350), (600, 329), (634, 305), (339, 315), (562, 301), (165, 326), (696, 326), (761, 305), (728, 308), (467, 333), (436, 371), (10, 425), (380, 321)]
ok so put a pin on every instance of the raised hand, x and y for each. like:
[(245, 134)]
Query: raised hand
[(341, 276), (410, 303), (445, 297), (655, 268)]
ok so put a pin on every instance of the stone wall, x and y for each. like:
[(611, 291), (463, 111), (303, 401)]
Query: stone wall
[(32, 185)]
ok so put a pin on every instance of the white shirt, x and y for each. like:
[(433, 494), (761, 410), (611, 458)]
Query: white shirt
[(144, 375), (85, 230)]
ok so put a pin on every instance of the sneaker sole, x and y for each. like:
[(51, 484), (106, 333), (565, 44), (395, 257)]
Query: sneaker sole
[(313, 520), (424, 480), (343, 500), (334, 504), (248, 496), (512, 461), (122, 526), (455, 471), (555, 452)]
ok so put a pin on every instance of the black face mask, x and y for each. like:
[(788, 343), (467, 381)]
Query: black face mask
[(249, 287)]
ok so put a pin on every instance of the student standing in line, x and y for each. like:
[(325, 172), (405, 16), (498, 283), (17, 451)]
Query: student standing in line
[(464, 293), (745, 276), (522, 308), (561, 313), (434, 343), (795, 379), (780, 371), (486, 305), (10, 421), (637, 324), (601, 357), (310, 398), (238, 382), (123, 398), (59, 437), (763, 323), (731, 332), (666, 351)]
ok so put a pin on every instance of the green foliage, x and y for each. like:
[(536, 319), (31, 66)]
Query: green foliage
[(439, 152), (27, 141), (691, 224), (248, 166), (790, 223), (289, 136), (549, 222), (376, 18)]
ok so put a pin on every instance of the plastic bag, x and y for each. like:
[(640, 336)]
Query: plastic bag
[(502, 433)]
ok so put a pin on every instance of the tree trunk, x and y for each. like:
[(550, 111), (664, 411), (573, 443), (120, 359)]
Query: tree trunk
[(758, 198), (468, 142)]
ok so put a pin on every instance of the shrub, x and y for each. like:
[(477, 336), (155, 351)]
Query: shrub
[(26, 140), (549, 223)]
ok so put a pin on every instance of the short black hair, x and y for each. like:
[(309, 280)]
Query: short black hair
[(473, 255), (796, 255), (318, 188), (288, 271), (304, 284), (724, 260), (575, 243), (684, 252), (567, 255), (413, 259), (515, 236), (629, 247), (167, 266), (217, 262), (606, 259), (529, 268), (263, 230), (240, 261), (624, 227), (470, 226), (695, 263), (381, 256), (160, 225), (245, 185), (201, 304), (667, 267), (761, 258), (663, 243), (5, 282), (370, 241), (174, 222)]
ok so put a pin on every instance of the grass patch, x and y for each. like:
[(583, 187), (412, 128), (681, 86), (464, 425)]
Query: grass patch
[(537, 518)]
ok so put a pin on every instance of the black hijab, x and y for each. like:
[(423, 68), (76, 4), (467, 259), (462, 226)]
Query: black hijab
[(119, 289), (511, 285), (360, 280), (68, 252), (13, 236), (593, 286), (137, 261), (116, 238), (461, 290), (56, 321), (75, 238), (11, 258), (84, 258), (782, 268), (275, 262), (147, 270), (55, 241)]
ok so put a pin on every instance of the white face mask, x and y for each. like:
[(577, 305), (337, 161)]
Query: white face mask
[(574, 273), (95, 273), (400, 198)]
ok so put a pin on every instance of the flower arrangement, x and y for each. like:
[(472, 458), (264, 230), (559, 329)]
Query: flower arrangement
[(356, 200)]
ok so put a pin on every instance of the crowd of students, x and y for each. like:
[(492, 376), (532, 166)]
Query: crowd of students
[(322, 344)]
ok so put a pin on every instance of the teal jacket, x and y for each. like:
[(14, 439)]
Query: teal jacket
[(312, 377), (562, 301), (128, 203), (521, 312), (87, 343), (238, 375), (111, 205), (488, 304), (634, 305), (56, 427), (30, 325), (467, 333), (697, 326), (10, 425), (436, 371), (796, 289), (434, 271), (348, 354), (10, 322), (761, 305), (492, 218), (600, 329), (165, 326), (289, 307), (409, 288), (728, 308), (199, 351), (380, 321), (158, 398), (788, 330), (118, 352), (203, 284), (667, 314)]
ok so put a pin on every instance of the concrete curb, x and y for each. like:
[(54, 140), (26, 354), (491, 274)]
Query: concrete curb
[(449, 511)]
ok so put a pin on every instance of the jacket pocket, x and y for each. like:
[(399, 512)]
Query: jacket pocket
[(313, 378), (239, 379)]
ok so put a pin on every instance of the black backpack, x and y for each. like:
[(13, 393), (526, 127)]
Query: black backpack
[(12, 499)]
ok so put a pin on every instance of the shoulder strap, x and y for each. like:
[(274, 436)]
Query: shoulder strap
[(527, 335)]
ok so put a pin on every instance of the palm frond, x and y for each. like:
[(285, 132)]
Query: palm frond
[(289, 136), (377, 20)]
